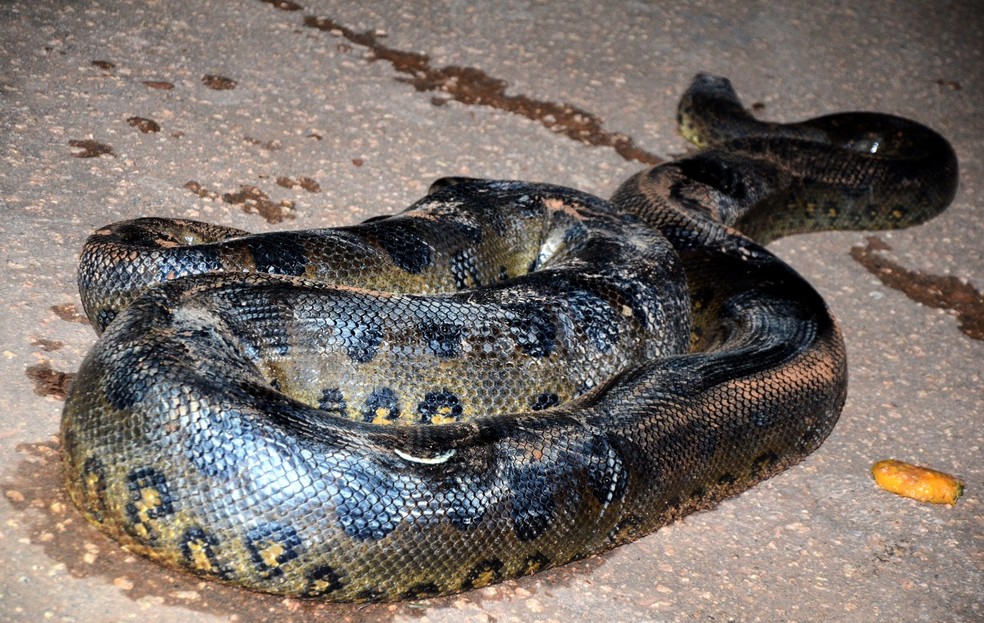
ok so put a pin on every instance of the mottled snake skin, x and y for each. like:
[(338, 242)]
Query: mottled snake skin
[(503, 378)]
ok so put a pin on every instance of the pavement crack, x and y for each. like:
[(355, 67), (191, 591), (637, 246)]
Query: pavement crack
[(474, 87), (938, 291)]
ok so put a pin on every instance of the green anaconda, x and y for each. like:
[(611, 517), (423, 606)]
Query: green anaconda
[(505, 377)]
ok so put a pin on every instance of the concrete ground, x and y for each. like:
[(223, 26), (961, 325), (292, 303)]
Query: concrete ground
[(269, 115)]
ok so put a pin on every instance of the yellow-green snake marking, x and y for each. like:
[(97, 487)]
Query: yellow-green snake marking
[(254, 410)]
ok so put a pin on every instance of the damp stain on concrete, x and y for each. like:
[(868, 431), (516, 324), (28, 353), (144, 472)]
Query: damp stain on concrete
[(46, 344), (48, 381), (946, 292), (200, 190), (88, 148), (160, 85), (218, 83), (306, 183), (145, 125), (474, 87), (267, 145), (253, 200), (283, 5), (69, 313)]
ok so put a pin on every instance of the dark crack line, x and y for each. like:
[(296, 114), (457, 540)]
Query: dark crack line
[(474, 87), (938, 291)]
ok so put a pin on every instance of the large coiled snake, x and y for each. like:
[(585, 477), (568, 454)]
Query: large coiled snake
[(590, 369)]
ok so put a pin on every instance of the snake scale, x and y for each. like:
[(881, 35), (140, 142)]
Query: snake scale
[(505, 377)]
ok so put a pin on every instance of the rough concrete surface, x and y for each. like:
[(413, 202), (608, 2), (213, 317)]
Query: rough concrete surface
[(252, 112)]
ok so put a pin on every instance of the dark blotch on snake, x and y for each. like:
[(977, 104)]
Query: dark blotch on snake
[(444, 404), (367, 503), (442, 338), (382, 401), (544, 401), (332, 400), (406, 250), (532, 328), (533, 504), (261, 539), (279, 253), (322, 580)]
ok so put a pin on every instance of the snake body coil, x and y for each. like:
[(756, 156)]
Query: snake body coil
[(579, 372)]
